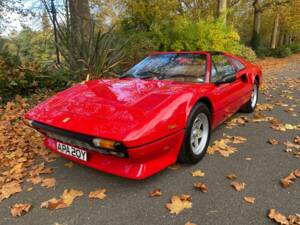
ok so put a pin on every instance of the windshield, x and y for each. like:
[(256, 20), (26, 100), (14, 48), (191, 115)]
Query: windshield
[(174, 66)]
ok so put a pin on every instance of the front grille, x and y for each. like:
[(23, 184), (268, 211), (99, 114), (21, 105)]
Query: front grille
[(76, 139)]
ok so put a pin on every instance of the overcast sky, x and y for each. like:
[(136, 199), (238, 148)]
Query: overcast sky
[(16, 20)]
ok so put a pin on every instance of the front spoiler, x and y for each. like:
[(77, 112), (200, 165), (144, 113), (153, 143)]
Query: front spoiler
[(142, 162)]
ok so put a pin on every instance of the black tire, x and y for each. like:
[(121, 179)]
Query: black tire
[(186, 154), (248, 107)]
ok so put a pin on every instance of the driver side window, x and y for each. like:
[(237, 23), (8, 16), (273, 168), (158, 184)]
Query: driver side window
[(220, 67)]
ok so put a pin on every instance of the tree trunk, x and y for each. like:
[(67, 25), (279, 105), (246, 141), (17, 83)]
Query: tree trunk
[(291, 39), (286, 39), (81, 23), (275, 31), (257, 19), (255, 40), (222, 10), (281, 39)]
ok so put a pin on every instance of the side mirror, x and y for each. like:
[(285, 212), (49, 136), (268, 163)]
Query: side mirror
[(226, 79)]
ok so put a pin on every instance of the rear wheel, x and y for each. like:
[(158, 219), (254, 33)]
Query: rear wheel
[(197, 135), (249, 107)]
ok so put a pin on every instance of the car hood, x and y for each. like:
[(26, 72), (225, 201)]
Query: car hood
[(107, 108)]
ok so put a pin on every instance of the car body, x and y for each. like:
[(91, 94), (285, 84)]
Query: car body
[(135, 127)]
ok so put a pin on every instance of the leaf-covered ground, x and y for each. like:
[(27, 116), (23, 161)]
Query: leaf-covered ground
[(251, 174)]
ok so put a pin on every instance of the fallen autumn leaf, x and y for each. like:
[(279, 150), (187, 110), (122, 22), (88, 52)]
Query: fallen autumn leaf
[(201, 186), (48, 182), (179, 203), (198, 173), (100, 194), (155, 193), (288, 180), (249, 199), (64, 201), (9, 189), (231, 176), (19, 209), (238, 186), (278, 217)]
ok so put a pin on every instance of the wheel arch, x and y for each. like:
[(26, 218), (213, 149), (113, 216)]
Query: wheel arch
[(256, 78), (207, 102), (256, 75)]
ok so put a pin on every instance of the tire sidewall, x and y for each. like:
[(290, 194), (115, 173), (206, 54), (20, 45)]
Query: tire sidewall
[(257, 90), (186, 147), (247, 107)]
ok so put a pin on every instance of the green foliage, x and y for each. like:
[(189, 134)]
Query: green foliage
[(295, 48), (6, 53), (34, 45), (284, 51), (139, 46), (281, 52), (266, 52), (98, 57), (106, 54), (20, 77), (28, 78), (247, 53), (184, 34), (26, 63), (144, 14)]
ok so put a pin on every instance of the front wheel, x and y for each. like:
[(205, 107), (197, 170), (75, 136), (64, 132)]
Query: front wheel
[(251, 104), (197, 135)]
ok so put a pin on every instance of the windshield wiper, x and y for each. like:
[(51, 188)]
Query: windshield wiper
[(147, 77), (149, 74), (143, 75), (177, 75)]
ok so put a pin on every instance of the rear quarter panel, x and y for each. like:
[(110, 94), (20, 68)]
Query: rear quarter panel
[(254, 70)]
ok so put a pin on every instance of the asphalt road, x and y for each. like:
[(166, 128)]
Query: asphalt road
[(128, 201)]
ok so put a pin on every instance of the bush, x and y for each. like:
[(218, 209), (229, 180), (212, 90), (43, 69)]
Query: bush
[(34, 45), (185, 34), (139, 46), (98, 56), (247, 53), (266, 52), (295, 48), (280, 52), (23, 78), (10, 59), (284, 51)]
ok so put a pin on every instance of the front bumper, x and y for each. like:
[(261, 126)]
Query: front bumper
[(142, 161)]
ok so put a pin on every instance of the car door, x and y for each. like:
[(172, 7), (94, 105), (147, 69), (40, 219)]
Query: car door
[(244, 84), (224, 94)]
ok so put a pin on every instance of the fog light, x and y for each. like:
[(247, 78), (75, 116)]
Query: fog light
[(104, 143)]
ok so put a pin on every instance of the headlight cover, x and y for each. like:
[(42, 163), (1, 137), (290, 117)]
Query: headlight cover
[(102, 143), (108, 144)]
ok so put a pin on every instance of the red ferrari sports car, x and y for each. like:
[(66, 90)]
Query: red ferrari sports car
[(161, 110)]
